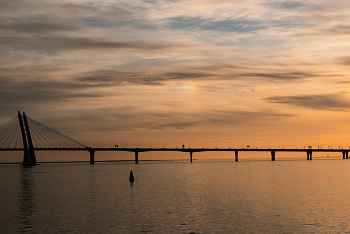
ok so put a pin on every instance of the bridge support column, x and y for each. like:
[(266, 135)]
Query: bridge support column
[(190, 156), (347, 155), (273, 155), (92, 156), (343, 154), (136, 157), (236, 156), (309, 155)]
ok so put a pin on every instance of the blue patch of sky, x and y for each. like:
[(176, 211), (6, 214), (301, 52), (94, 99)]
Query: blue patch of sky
[(198, 23)]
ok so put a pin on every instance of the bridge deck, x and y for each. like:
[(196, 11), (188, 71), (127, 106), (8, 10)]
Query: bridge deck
[(179, 149)]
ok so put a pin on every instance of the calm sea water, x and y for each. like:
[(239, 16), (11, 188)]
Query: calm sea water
[(290, 196)]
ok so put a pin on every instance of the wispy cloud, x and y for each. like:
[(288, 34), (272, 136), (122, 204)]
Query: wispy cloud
[(112, 77), (228, 25), (279, 76), (69, 43), (37, 25), (333, 102), (344, 60)]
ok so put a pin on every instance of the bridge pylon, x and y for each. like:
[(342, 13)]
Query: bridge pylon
[(30, 142), (29, 155)]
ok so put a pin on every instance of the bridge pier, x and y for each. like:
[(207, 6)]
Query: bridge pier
[(345, 154), (273, 155), (190, 156), (309, 155), (136, 157), (92, 156), (236, 156)]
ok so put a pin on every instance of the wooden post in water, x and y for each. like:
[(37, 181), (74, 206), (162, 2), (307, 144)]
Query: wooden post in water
[(191, 156), (310, 154), (236, 156), (92, 156), (136, 157), (343, 154), (273, 155), (347, 154)]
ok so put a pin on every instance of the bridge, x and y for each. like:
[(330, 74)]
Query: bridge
[(23, 133)]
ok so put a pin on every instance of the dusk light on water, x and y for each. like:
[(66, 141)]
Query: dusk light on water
[(174, 116)]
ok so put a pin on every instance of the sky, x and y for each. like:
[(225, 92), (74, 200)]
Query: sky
[(207, 73)]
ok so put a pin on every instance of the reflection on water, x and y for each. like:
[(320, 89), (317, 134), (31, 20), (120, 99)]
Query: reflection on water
[(92, 191), (178, 197), (26, 213)]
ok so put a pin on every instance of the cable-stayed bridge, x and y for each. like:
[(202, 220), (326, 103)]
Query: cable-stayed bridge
[(22, 133), (26, 134)]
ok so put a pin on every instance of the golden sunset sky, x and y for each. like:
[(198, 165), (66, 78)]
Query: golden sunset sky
[(165, 73)]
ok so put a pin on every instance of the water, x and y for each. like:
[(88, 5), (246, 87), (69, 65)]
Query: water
[(291, 196)]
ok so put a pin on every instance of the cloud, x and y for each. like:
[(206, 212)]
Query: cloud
[(260, 90), (9, 4), (287, 5), (208, 24), (35, 88), (20, 93), (40, 25), (58, 43), (280, 76), (242, 117), (333, 30), (131, 119), (344, 60), (332, 102), (112, 77), (101, 53), (336, 30)]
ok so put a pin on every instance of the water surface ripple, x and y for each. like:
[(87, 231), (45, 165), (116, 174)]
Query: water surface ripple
[(290, 196)]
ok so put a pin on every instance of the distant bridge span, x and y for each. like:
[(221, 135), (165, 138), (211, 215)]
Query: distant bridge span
[(21, 134), (192, 150), (136, 151)]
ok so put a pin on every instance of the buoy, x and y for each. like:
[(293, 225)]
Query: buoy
[(131, 177)]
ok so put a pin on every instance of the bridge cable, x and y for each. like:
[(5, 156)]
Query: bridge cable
[(60, 138), (51, 136), (38, 138), (47, 142), (64, 139), (8, 132), (42, 136)]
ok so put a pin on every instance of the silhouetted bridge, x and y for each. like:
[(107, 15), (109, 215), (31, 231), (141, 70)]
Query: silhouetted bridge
[(21, 134)]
